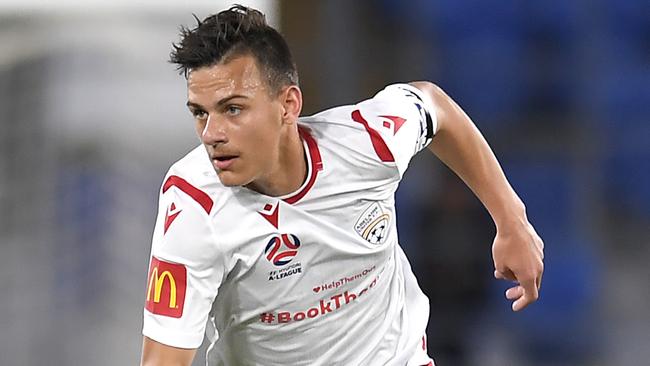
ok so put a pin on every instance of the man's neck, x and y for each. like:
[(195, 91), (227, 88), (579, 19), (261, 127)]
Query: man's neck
[(290, 172)]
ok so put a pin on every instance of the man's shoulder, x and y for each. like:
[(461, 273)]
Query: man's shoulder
[(194, 179), (366, 127), (394, 99)]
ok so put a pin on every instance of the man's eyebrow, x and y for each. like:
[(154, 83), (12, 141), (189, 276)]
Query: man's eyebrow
[(219, 103), (193, 105)]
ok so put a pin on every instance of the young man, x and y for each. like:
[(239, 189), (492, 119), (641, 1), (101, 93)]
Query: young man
[(282, 236)]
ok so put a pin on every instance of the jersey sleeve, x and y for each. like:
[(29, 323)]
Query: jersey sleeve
[(400, 120), (186, 267)]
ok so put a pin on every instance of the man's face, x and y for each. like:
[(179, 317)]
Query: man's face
[(237, 119)]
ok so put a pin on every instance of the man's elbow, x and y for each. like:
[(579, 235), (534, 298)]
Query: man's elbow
[(158, 354), (440, 101)]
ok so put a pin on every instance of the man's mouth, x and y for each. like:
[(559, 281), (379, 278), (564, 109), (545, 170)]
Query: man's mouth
[(224, 161)]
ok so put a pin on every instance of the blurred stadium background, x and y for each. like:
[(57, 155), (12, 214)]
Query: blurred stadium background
[(91, 116)]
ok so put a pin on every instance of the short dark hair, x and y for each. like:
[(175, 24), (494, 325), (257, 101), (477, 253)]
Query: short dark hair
[(234, 32)]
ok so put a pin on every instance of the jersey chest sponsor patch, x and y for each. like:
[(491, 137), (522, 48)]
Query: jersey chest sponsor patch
[(373, 224), (166, 288)]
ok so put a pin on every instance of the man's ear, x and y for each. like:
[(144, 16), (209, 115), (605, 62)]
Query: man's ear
[(291, 99)]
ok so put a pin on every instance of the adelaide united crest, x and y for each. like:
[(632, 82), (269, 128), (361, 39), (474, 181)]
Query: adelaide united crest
[(373, 224)]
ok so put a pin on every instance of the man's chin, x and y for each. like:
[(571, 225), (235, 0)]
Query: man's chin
[(229, 179)]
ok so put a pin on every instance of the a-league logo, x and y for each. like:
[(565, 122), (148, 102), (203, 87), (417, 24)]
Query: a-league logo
[(282, 249)]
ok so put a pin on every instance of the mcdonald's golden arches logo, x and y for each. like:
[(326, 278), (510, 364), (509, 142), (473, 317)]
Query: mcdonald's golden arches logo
[(166, 285)]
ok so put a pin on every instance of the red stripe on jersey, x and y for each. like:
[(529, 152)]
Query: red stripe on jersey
[(378, 143), (316, 165), (198, 195)]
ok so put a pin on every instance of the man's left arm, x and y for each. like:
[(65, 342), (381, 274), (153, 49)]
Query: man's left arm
[(517, 251)]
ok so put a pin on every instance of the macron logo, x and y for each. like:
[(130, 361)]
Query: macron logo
[(270, 213), (396, 125), (170, 216)]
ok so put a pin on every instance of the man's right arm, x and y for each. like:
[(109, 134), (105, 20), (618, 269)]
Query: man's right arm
[(186, 269), (517, 250), (158, 354)]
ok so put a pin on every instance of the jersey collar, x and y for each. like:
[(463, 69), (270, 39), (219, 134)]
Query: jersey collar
[(314, 165)]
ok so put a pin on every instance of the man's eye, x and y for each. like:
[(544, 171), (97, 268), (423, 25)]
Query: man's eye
[(198, 114), (233, 110)]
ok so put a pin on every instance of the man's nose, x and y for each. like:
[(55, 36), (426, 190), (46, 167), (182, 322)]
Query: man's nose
[(214, 131)]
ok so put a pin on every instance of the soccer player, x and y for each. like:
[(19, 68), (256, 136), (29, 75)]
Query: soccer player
[(278, 234)]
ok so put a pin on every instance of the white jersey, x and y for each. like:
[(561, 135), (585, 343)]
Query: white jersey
[(316, 277)]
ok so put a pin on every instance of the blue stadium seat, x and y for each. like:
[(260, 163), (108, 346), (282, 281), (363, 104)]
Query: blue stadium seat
[(621, 104)]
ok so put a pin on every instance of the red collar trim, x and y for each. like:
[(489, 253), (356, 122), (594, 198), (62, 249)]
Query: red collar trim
[(315, 161)]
